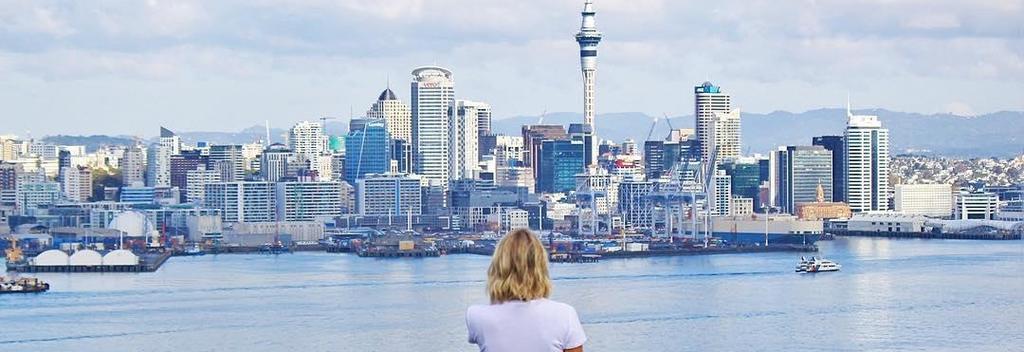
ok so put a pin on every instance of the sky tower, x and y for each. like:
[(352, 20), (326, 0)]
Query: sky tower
[(588, 37)]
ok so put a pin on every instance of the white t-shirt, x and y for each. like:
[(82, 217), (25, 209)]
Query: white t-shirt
[(537, 325)]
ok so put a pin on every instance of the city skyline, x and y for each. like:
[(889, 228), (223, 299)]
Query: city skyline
[(185, 68)]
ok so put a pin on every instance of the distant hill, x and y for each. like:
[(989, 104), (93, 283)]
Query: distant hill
[(998, 134), (91, 143)]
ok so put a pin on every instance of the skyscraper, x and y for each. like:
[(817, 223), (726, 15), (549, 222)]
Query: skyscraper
[(560, 162), (77, 183), (158, 165), (228, 160), (395, 113), (708, 100), (725, 134), (588, 38), (433, 92), (836, 145), (802, 169), (464, 139), (133, 165), (867, 163), (367, 150), (274, 162), (533, 137)]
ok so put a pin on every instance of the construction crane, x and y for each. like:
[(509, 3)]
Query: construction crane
[(651, 131), (540, 120)]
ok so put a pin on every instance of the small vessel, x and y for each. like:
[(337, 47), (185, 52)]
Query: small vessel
[(802, 267), (822, 265), (23, 285), (195, 250)]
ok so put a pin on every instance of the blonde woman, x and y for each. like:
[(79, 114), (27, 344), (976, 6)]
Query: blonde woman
[(520, 316)]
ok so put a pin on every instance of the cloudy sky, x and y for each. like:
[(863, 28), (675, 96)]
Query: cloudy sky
[(125, 67)]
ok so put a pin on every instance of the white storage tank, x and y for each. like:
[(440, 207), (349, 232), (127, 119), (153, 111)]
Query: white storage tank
[(86, 257), (120, 257), (51, 257)]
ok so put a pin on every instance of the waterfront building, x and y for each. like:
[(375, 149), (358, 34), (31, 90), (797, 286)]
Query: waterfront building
[(801, 169), (229, 161), (560, 161), (242, 201), (275, 162), (77, 183), (308, 201), (836, 145), (708, 101), (133, 164), (306, 139), (395, 113), (746, 177), (588, 38), (533, 138), (389, 194), (367, 150), (601, 185), (724, 135), (867, 163), (931, 200), (822, 209), (975, 204), (433, 92), (463, 138)]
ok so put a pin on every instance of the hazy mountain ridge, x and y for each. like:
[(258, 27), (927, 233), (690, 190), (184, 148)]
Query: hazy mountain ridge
[(999, 134)]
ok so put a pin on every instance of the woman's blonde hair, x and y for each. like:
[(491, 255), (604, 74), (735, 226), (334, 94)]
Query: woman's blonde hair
[(519, 269)]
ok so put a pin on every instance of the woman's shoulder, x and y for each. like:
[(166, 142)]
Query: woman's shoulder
[(557, 306)]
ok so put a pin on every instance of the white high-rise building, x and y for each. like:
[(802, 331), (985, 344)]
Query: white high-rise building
[(867, 163), (509, 150), (433, 92), (242, 201), (395, 113), (464, 139), (77, 183), (196, 181), (725, 135), (483, 118), (721, 193), (133, 165), (308, 201), (307, 140), (275, 161), (158, 165), (588, 38), (170, 140), (708, 100), (389, 194), (934, 200)]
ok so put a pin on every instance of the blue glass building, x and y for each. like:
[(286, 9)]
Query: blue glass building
[(367, 149), (560, 162)]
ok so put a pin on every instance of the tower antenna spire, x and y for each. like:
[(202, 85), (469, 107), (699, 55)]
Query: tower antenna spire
[(849, 111)]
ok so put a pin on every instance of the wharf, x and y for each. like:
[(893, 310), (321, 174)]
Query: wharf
[(929, 235), (393, 253), (712, 251)]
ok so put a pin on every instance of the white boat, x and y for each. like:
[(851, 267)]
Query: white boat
[(818, 265), (802, 267)]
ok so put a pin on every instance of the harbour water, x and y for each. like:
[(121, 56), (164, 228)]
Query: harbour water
[(890, 295)]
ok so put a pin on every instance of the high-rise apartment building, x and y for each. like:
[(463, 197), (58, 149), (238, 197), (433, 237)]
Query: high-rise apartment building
[(77, 183), (867, 163), (721, 193), (725, 135), (464, 138), (242, 201), (389, 194), (133, 165), (308, 201), (307, 140), (433, 92), (396, 113), (158, 165), (229, 161), (708, 100), (275, 161)]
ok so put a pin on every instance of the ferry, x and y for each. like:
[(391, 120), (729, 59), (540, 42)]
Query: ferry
[(817, 265), (196, 250), (23, 285)]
